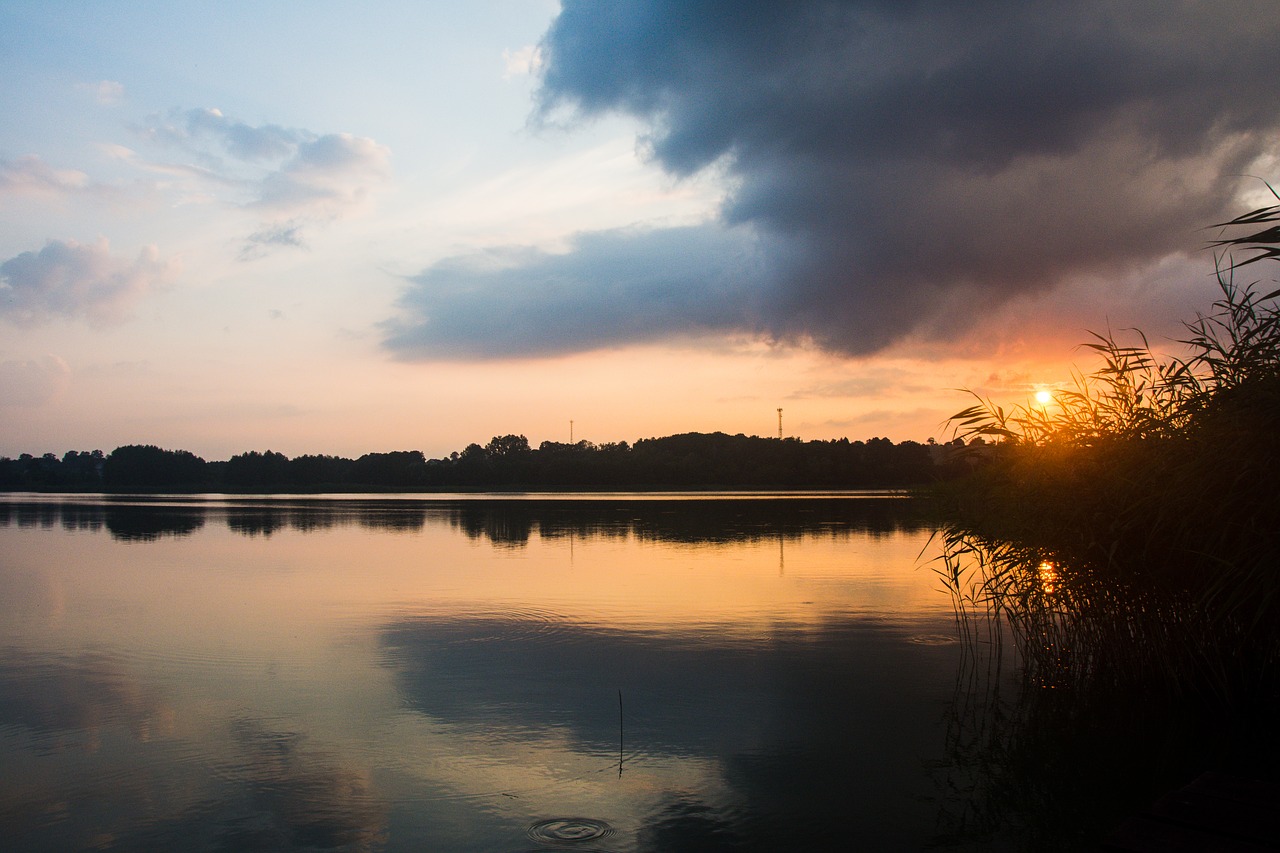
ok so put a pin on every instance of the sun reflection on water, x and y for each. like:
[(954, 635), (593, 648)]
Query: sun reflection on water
[(1048, 576)]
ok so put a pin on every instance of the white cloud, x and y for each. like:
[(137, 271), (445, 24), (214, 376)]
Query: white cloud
[(32, 382), (273, 236), (222, 144), (327, 177), (242, 141), (523, 62), (292, 177), (67, 279), (284, 169), (106, 92), (32, 176)]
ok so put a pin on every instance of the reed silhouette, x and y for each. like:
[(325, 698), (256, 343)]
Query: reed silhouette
[(1121, 548)]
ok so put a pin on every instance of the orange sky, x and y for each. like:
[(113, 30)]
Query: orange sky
[(221, 232)]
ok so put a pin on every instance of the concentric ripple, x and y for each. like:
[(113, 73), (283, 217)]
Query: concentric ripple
[(559, 830), (933, 640)]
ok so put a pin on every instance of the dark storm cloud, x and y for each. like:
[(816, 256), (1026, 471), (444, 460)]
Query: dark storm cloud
[(920, 161), (611, 286)]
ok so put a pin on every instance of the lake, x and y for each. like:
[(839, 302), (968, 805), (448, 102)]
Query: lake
[(473, 673)]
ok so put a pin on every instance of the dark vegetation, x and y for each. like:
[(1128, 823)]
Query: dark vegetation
[(1123, 548), (504, 521), (692, 460)]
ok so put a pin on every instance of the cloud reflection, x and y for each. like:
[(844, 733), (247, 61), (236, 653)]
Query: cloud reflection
[(72, 698), (814, 731), (292, 796), (248, 787)]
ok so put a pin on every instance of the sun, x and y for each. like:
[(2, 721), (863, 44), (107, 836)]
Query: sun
[(1044, 398)]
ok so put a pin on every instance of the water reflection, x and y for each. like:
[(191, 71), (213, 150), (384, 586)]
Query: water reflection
[(690, 520), (266, 520), (293, 796), (1041, 767), (813, 731), (684, 824), (1081, 700), (129, 525), (570, 830), (509, 521), (429, 674), (252, 788), (66, 700), (133, 520)]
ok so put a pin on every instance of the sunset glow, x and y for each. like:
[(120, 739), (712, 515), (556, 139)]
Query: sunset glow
[(421, 225)]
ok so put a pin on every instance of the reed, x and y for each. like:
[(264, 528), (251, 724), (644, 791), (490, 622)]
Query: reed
[(1128, 533)]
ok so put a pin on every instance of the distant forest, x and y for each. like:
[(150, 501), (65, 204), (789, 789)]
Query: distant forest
[(690, 460)]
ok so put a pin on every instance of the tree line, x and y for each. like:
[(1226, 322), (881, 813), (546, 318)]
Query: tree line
[(689, 460)]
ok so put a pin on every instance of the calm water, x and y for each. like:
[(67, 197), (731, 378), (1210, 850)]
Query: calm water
[(619, 674)]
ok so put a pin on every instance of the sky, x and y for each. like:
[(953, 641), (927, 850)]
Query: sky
[(321, 228)]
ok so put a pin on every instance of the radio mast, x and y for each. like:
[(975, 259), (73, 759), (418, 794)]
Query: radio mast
[(779, 423)]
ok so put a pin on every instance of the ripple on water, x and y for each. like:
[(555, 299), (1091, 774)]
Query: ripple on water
[(561, 830), (528, 624), (932, 640)]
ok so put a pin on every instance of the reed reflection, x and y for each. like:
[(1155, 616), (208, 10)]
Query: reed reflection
[(1082, 699)]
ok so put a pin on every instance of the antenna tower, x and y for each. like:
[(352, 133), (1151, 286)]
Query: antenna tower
[(779, 423)]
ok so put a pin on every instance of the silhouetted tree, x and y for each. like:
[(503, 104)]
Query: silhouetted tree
[(257, 470), (689, 460), (137, 467), (314, 472), (399, 468), (507, 445)]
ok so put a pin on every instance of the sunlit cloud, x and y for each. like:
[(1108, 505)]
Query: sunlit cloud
[(884, 418), (70, 280), (327, 176), (875, 381), (31, 175)]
